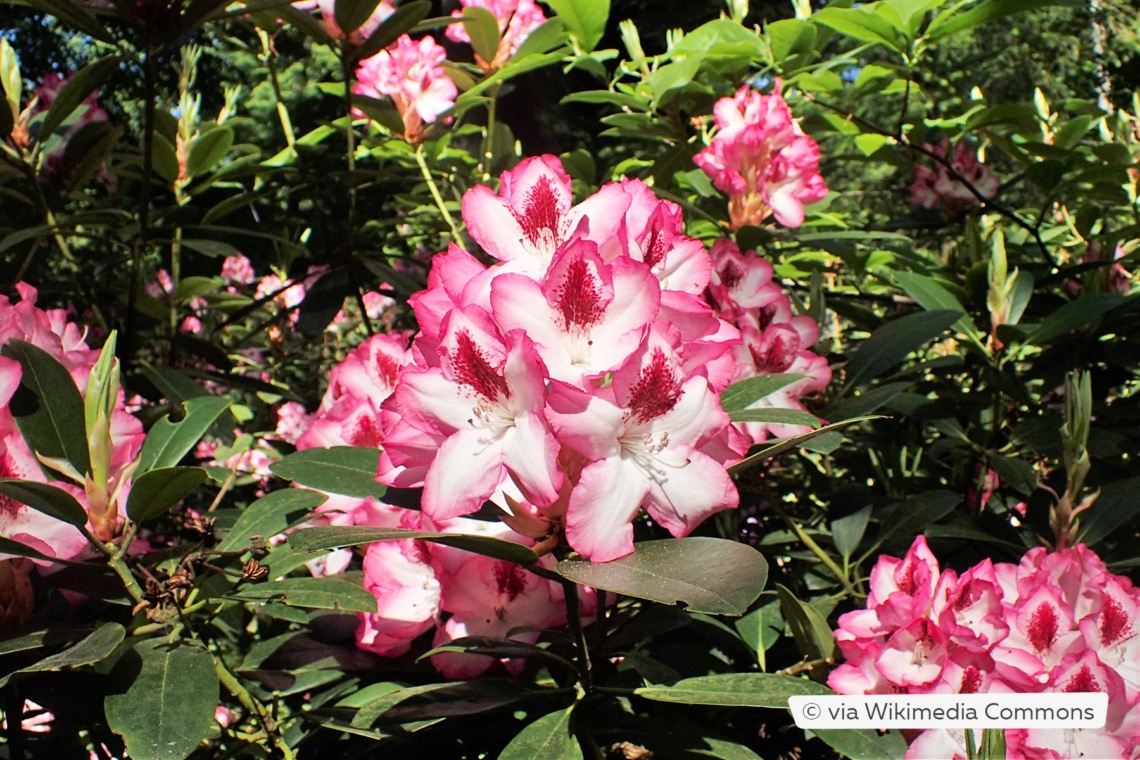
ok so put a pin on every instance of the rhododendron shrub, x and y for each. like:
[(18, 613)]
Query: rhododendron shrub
[(762, 159), (516, 19), (1055, 622), (410, 73)]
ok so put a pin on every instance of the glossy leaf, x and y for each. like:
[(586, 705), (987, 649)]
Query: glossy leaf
[(78, 87), (208, 150), (848, 531), (331, 537), (810, 629), (862, 25), (168, 442), (741, 394), (735, 690), (93, 648), (400, 22), (1072, 316), (863, 743), (779, 446), (896, 340), (483, 29), (709, 575), (168, 707), (350, 15), (47, 407), (346, 470), (953, 20), (270, 516), (776, 416), (584, 19), (316, 593), (45, 498), (549, 738), (931, 295), (156, 491)]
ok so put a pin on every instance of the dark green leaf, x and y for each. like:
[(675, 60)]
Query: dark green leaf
[(584, 19), (483, 29), (952, 20), (709, 575), (896, 340), (317, 593), (863, 743), (741, 394), (350, 15), (207, 151), (400, 22), (97, 645), (44, 637), (848, 531), (167, 442), (776, 416), (330, 537), (1073, 315), (47, 407), (498, 648), (164, 158), (169, 706), (75, 91), (933, 296), (549, 738), (909, 518), (346, 470), (548, 36), (8, 546), (736, 690), (865, 402), (46, 498), (459, 699), (778, 446), (173, 384), (270, 516), (160, 489), (810, 629), (1116, 505)]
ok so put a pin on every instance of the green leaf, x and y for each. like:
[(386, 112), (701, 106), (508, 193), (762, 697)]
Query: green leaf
[(8, 546), (175, 386), (848, 531), (951, 20), (45, 498), (350, 15), (549, 738), (93, 648), (345, 470), (400, 22), (207, 151), (736, 690), (270, 516), (169, 706), (916, 513), (740, 395), (862, 25), (864, 402), (810, 630), (789, 37), (168, 442), (316, 593), (863, 743), (160, 489), (330, 537), (896, 340), (776, 416), (483, 29), (1074, 315), (709, 575), (584, 19), (778, 446), (932, 296), (47, 407), (43, 637), (498, 648), (1116, 505), (75, 91), (548, 36)]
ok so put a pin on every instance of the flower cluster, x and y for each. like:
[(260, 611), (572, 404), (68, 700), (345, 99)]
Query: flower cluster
[(1056, 622), (939, 187), (87, 112), (51, 332), (411, 73), (574, 381), (328, 19), (517, 19), (772, 341), (761, 157)]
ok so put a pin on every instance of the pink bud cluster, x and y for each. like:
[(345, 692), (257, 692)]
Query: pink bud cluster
[(1056, 622), (934, 187), (63, 340), (411, 73), (761, 157), (517, 19), (87, 112)]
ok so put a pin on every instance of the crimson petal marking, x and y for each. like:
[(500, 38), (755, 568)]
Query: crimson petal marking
[(471, 368), (656, 391), (541, 214)]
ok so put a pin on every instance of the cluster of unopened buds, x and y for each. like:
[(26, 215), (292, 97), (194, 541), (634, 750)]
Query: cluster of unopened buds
[(1057, 622)]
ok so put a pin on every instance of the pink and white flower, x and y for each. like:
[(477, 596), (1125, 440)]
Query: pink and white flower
[(411, 73), (517, 19)]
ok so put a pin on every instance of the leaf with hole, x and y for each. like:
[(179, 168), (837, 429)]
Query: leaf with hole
[(168, 442)]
